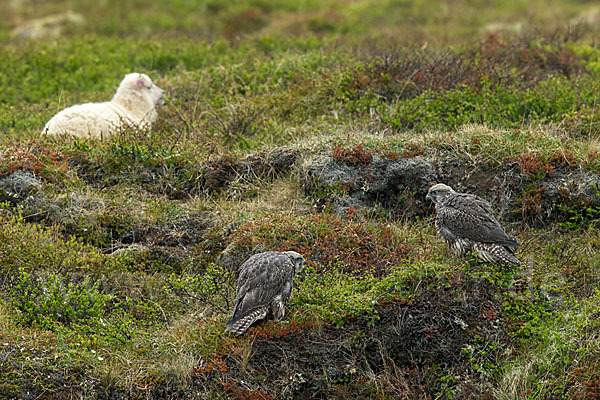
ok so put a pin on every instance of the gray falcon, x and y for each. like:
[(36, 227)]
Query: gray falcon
[(264, 285), (467, 224)]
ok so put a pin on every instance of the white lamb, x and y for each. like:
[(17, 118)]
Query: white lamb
[(134, 106)]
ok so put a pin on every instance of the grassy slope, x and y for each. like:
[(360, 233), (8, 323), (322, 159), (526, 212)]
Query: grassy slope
[(76, 318)]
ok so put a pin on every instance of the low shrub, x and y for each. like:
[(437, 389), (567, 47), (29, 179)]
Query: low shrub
[(47, 302)]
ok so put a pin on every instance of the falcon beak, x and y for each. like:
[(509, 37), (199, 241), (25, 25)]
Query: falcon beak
[(428, 197)]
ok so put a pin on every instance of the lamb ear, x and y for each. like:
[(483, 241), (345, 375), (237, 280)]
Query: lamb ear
[(140, 80)]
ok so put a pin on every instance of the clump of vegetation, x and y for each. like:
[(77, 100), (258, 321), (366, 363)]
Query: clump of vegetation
[(356, 155), (34, 157), (45, 302), (358, 247)]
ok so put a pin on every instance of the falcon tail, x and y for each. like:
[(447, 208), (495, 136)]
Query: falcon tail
[(508, 257), (494, 253), (238, 326), (509, 242)]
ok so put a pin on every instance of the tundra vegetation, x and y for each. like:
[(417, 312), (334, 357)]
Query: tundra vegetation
[(313, 126)]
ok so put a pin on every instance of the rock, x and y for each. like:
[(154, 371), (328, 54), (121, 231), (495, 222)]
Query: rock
[(399, 186), (517, 196), (570, 187), (538, 200), (50, 26), (588, 187), (501, 186), (18, 186)]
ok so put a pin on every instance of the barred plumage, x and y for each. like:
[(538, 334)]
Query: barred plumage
[(241, 325), (467, 224), (264, 286)]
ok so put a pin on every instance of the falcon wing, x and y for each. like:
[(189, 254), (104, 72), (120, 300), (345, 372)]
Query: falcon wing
[(471, 217)]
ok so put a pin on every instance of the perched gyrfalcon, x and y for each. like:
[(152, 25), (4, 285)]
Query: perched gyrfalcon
[(264, 285), (467, 224)]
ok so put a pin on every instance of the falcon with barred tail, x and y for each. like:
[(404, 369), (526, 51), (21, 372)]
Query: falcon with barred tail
[(264, 286), (467, 224)]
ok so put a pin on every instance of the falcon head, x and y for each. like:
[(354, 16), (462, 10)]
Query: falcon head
[(297, 259), (439, 192)]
